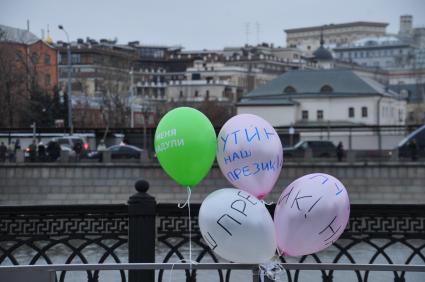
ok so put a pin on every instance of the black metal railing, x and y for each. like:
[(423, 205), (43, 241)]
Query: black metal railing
[(389, 234)]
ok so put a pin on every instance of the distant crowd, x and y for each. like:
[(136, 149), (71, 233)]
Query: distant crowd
[(35, 152)]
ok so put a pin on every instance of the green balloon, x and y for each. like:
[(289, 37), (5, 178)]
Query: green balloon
[(185, 144)]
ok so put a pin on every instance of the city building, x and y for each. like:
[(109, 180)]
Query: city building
[(405, 50), (324, 97), (267, 58), (397, 61), (33, 59), (307, 38), (387, 52), (97, 67)]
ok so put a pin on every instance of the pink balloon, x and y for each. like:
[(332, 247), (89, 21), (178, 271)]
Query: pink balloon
[(249, 153), (311, 214)]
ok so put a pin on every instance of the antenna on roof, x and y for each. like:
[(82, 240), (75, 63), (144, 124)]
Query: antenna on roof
[(321, 36), (247, 31), (257, 25)]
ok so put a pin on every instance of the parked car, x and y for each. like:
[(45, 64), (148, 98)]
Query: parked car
[(320, 149), (63, 148), (71, 141), (119, 152), (404, 148)]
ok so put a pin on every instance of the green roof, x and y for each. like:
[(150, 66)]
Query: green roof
[(342, 82)]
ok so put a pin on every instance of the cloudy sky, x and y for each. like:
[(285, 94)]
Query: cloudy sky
[(199, 24)]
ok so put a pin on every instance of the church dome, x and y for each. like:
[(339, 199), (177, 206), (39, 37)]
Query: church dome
[(321, 54)]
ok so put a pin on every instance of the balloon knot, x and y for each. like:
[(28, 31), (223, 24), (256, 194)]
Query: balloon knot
[(272, 269)]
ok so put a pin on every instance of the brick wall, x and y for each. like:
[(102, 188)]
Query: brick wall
[(29, 184)]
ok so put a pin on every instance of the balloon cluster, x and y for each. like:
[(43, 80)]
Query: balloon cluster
[(311, 213)]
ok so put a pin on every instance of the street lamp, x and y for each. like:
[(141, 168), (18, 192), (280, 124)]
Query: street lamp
[(131, 98), (69, 87)]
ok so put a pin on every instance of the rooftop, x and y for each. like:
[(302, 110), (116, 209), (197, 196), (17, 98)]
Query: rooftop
[(336, 26), (340, 81), (17, 35)]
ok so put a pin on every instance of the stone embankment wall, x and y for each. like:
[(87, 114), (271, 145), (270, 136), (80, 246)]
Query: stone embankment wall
[(33, 184)]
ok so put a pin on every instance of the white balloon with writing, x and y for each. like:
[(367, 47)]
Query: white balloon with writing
[(311, 214), (237, 226), (249, 153)]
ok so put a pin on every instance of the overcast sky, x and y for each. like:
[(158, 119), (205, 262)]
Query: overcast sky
[(198, 24)]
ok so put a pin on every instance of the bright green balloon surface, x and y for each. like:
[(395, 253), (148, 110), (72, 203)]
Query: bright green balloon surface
[(185, 144)]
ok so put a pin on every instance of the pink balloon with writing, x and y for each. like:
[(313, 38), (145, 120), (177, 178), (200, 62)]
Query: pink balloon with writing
[(311, 214), (249, 153)]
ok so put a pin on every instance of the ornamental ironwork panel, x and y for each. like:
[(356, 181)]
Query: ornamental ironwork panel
[(65, 234), (97, 234)]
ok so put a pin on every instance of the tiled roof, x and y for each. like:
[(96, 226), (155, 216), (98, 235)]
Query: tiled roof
[(310, 82)]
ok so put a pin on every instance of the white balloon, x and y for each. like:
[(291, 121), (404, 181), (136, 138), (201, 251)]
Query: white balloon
[(237, 226)]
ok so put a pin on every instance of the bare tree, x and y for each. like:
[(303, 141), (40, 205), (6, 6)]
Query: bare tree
[(13, 78), (114, 95)]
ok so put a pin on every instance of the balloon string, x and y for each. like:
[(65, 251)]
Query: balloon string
[(187, 203), (189, 193), (172, 267), (278, 252)]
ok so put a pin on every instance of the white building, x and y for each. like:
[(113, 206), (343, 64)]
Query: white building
[(324, 97), (307, 38), (215, 81)]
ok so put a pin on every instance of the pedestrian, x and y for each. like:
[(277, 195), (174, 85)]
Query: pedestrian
[(413, 147), (10, 153), (3, 151), (53, 150), (41, 152), (78, 148), (32, 149), (340, 151), (17, 146)]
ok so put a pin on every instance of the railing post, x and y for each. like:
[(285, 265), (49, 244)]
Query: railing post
[(308, 154), (106, 157), (141, 231), (327, 278)]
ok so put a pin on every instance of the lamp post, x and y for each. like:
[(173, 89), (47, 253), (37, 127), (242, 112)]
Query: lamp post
[(131, 98), (69, 87)]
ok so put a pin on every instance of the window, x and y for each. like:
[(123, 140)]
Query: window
[(34, 58), (289, 89), (207, 94), (75, 58), (319, 114), (47, 59), (18, 56), (181, 94), (196, 93), (364, 111), (351, 112), (326, 89), (304, 115)]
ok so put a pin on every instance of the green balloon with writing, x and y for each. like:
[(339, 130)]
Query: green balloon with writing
[(185, 144)]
